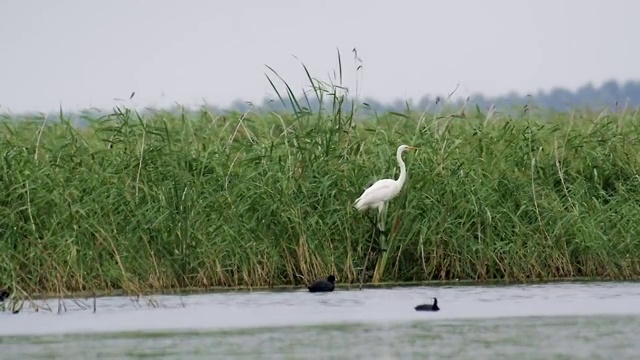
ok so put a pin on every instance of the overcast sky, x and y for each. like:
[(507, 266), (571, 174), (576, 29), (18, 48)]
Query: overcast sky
[(80, 53)]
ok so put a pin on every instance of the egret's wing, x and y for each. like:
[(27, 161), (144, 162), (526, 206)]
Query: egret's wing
[(379, 186), (377, 192)]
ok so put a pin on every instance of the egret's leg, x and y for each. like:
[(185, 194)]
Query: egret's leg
[(373, 221), (374, 240), (381, 228), (378, 226), (385, 207), (377, 229), (382, 214), (379, 218)]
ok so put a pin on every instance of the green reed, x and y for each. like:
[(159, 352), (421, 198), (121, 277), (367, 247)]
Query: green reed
[(173, 200)]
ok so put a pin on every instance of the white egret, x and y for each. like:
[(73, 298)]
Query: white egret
[(378, 194)]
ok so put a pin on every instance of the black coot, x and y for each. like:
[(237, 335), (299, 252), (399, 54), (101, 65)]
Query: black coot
[(428, 307), (323, 285), (4, 294)]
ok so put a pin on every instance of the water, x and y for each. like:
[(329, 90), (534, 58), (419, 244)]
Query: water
[(554, 321)]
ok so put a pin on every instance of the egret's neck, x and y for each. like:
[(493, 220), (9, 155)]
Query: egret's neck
[(403, 170)]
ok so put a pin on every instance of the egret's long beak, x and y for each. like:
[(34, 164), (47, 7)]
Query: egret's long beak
[(412, 148)]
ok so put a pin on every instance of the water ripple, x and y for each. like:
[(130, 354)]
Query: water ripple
[(511, 320)]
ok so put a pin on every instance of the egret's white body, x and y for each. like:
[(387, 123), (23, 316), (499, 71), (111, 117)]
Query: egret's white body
[(378, 194)]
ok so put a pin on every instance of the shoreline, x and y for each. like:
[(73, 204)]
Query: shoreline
[(339, 287)]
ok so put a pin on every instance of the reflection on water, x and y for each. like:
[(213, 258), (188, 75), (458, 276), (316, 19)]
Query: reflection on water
[(590, 321)]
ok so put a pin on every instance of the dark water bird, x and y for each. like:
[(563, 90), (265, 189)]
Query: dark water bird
[(323, 285), (428, 307), (4, 294)]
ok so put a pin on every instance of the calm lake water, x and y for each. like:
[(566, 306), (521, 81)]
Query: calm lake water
[(554, 321)]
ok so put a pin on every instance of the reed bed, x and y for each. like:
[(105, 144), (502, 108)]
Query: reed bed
[(155, 201)]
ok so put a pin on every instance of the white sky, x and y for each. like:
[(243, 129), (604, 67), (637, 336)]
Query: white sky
[(81, 53)]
